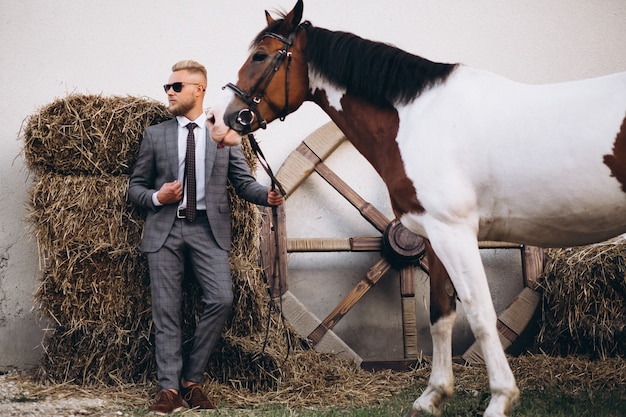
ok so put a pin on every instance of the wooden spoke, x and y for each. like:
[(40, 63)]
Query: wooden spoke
[(339, 244), (409, 311), (367, 210), (371, 278)]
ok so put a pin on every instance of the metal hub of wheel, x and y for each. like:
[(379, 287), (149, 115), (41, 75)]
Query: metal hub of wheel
[(401, 247)]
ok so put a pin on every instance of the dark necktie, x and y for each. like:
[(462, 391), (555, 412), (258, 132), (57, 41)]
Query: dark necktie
[(190, 172)]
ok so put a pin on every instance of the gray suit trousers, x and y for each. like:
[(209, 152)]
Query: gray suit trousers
[(212, 271)]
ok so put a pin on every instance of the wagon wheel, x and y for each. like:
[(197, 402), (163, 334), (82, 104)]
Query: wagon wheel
[(400, 249)]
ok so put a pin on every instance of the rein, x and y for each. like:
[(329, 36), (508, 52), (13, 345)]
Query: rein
[(275, 184), (266, 167)]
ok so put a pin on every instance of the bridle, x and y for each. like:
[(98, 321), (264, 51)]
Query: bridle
[(252, 98)]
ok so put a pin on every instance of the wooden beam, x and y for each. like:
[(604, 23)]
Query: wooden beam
[(274, 249)]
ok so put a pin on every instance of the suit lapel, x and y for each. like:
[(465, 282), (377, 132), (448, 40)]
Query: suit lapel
[(171, 146), (210, 153)]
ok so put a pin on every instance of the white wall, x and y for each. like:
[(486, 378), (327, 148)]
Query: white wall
[(115, 47)]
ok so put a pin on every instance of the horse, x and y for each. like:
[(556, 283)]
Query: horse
[(466, 155)]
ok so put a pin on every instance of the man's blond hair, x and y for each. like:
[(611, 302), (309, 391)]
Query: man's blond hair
[(191, 66)]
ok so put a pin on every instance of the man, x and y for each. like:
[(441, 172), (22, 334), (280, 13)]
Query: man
[(182, 227)]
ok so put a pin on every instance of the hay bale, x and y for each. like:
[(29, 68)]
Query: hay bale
[(89, 134), (99, 287), (90, 213), (94, 279), (98, 353), (584, 293)]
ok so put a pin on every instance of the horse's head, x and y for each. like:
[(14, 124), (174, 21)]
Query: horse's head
[(273, 81)]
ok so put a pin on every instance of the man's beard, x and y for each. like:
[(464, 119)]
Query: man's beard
[(180, 108)]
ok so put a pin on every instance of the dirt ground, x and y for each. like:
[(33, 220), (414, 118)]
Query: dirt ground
[(20, 397)]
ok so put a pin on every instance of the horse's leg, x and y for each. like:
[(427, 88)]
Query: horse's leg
[(442, 316), (457, 248)]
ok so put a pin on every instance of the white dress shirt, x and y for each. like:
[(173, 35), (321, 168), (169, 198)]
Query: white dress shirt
[(200, 136)]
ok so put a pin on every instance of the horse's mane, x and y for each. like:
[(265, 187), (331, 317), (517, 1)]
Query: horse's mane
[(377, 72)]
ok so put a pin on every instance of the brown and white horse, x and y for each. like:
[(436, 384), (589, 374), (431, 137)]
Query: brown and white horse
[(466, 155)]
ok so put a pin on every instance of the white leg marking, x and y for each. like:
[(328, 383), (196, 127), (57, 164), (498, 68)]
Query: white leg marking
[(441, 382), (457, 248)]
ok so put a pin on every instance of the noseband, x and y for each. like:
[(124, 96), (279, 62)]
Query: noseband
[(246, 117)]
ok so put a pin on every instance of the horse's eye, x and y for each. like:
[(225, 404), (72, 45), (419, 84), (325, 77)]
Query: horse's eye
[(259, 56)]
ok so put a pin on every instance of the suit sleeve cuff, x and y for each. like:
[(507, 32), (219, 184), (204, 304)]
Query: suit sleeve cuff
[(155, 200)]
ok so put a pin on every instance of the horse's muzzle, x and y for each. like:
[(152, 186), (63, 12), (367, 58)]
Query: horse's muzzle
[(242, 121)]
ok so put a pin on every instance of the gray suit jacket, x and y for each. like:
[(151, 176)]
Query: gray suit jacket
[(157, 163)]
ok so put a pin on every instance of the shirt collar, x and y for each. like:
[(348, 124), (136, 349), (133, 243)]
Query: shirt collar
[(183, 121)]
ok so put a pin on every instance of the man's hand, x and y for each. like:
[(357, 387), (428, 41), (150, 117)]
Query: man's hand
[(274, 198), (170, 193)]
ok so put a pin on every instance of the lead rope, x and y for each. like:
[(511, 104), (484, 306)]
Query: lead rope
[(275, 184), (266, 167)]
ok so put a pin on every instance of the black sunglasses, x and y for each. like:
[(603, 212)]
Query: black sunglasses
[(178, 87)]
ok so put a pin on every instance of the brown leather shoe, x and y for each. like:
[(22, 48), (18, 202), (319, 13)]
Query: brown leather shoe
[(197, 398), (166, 402)]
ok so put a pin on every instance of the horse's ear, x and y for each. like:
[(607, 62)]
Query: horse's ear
[(295, 16), (269, 18)]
